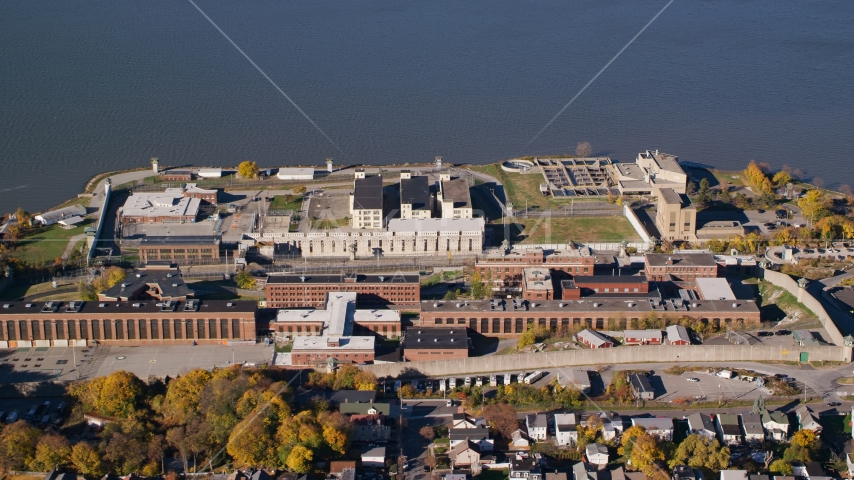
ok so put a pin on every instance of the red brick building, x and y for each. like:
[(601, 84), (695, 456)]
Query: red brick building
[(642, 337), (681, 267), (580, 286), (510, 318), (143, 322), (508, 267), (435, 343), (289, 291)]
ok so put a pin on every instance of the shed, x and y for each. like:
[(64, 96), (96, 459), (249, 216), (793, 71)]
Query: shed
[(295, 173), (210, 172), (678, 335)]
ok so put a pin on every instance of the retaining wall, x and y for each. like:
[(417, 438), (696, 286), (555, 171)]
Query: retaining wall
[(784, 281), (102, 216), (609, 356)]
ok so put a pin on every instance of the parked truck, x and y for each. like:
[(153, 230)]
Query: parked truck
[(533, 377), (726, 374)]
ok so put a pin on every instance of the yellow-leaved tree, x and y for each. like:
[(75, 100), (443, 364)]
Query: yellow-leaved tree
[(52, 451), (247, 169), (299, 460), (86, 460)]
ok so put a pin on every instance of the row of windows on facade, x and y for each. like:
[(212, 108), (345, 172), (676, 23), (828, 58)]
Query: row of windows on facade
[(309, 356), (684, 269), (520, 268), (297, 289), (521, 324), (316, 328), (130, 329)]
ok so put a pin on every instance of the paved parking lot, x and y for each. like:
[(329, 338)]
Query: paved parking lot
[(67, 363), (670, 387)]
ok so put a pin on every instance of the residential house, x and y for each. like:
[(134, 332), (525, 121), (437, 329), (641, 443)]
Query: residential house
[(597, 454), (684, 472), (365, 408), (370, 428), (702, 424), (729, 429), (776, 426), (303, 476), (374, 457), (260, 474), (661, 427), (519, 440), (784, 477), (641, 387), (806, 419), (577, 378), (593, 339), (733, 474), (537, 426), (455, 476), (342, 469), (96, 420), (464, 420), (620, 473), (479, 435), (556, 476), (57, 475), (678, 335), (810, 471), (465, 454), (759, 477), (586, 471), (642, 337), (612, 426), (751, 423), (527, 467), (565, 429)]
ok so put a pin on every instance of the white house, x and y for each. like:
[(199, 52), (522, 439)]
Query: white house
[(537, 426), (850, 462), (776, 425), (733, 474), (612, 426), (576, 377), (702, 424), (464, 420), (374, 457), (597, 454), (49, 218), (295, 173), (806, 419), (479, 435), (659, 427), (566, 429), (519, 439)]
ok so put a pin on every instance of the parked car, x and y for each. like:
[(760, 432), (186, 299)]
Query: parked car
[(765, 334), (783, 332), (693, 379)]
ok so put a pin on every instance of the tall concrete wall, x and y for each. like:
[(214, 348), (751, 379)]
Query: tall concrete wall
[(610, 356), (784, 281), (635, 221), (102, 218)]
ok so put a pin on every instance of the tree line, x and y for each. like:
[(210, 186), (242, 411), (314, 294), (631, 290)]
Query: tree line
[(211, 419)]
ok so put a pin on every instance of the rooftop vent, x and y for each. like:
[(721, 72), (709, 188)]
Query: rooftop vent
[(125, 285), (174, 284), (419, 339), (382, 278), (435, 340), (6, 305), (229, 304), (137, 305), (29, 305), (695, 304), (138, 275), (560, 304), (734, 305), (102, 305), (435, 305), (302, 278), (595, 305)]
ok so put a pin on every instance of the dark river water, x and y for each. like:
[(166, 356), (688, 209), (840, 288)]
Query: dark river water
[(104, 85)]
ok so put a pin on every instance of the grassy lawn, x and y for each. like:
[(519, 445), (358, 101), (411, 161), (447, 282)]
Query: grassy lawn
[(286, 202), (777, 299), (581, 229), (715, 177), (15, 292), (326, 224), (493, 474), (46, 243), (519, 187)]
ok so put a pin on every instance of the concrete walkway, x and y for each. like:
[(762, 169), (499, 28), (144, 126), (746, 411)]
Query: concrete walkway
[(71, 243)]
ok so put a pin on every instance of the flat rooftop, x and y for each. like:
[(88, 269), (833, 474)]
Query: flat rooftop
[(160, 204), (457, 189), (681, 259), (715, 289), (587, 306), (368, 193), (435, 338), (415, 191), (435, 225), (583, 279), (665, 161), (343, 343), (378, 278), (80, 307), (538, 278), (180, 239), (168, 282)]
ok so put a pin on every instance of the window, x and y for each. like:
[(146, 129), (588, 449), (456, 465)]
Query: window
[(108, 330), (10, 331), (35, 328), (166, 329), (176, 327), (48, 331), (96, 331), (131, 330), (155, 331), (235, 328), (22, 326), (200, 328), (72, 331), (223, 328), (84, 330), (188, 329)]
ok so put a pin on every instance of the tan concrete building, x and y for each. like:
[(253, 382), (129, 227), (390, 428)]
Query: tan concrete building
[(366, 202), (684, 267), (415, 198), (675, 216), (454, 198), (179, 249)]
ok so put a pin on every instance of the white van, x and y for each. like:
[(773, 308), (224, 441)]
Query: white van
[(493, 380)]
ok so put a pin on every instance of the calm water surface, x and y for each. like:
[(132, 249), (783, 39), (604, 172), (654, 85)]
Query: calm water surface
[(93, 86)]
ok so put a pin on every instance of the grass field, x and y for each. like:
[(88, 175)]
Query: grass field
[(286, 202), (46, 243), (519, 188), (580, 229), (15, 292), (326, 224)]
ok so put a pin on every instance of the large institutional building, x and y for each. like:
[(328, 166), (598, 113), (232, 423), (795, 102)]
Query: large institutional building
[(288, 291)]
